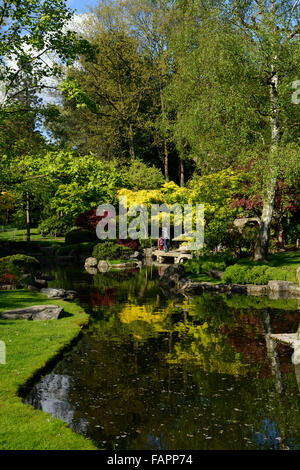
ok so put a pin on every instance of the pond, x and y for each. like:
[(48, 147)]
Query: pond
[(159, 373)]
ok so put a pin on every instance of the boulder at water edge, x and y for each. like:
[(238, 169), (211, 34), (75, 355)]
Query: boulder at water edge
[(37, 312), (53, 293), (90, 262)]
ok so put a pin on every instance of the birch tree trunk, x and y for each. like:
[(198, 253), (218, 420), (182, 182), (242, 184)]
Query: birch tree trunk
[(131, 142), (181, 171), (28, 216), (262, 245)]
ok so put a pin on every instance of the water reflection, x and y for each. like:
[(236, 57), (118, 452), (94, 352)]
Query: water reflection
[(155, 373)]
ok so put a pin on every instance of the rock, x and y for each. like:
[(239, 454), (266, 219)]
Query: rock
[(253, 289), (38, 312), (136, 255), (31, 287), (280, 286), (238, 288), (70, 295), (103, 266), (53, 293), (90, 262), (9, 287), (92, 271), (171, 276), (40, 283), (298, 275), (280, 295), (295, 290)]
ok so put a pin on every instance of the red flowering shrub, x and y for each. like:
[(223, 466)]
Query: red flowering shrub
[(7, 279)]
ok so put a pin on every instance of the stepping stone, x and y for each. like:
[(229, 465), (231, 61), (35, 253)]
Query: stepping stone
[(37, 312)]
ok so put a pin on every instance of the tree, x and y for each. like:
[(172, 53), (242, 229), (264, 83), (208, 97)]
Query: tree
[(109, 98), (34, 42), (235, 65), (151, 22)]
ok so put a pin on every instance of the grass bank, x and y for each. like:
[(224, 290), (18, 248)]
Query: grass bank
[(29, 347), (35, 236)]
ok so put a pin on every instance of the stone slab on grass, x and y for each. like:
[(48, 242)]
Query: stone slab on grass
[(37, 312)]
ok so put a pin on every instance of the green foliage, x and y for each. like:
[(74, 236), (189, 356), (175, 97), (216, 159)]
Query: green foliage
[(257, 274), (14, 266), (238, 274), (78, 248), (23, 263), (54, 226), (142, 176), (28, 29), (111, 250), (79, 236)]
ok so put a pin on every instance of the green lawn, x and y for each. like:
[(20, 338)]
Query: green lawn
[(29, 347), (20, 235)]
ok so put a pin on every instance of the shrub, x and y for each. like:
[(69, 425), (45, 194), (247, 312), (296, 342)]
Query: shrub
[(89, 220), (24, 263), (141, 176), (13, 267), (7, 279), (79, 248), (80, 236), (241, 274), (111, 250), (54, 226)]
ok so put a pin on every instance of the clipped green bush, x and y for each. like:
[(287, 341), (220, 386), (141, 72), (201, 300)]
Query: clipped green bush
[(17, 265), (54, 226), (26, 264), (111, 250), (80, 236), (79, 248), (241, 274)]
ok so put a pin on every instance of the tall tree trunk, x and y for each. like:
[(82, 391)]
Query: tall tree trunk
[(166, 160), (163, 113), (28, 216), (262, 245), (131, 143), (181, 171)]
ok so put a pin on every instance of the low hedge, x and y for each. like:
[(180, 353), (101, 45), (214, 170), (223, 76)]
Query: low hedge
[(110, 250), (79, 248), (258, 274)]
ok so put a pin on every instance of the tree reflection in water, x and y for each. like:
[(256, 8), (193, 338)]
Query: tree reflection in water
[(159, 373)]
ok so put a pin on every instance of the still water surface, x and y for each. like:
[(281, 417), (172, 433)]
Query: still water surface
[(153, 372)]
